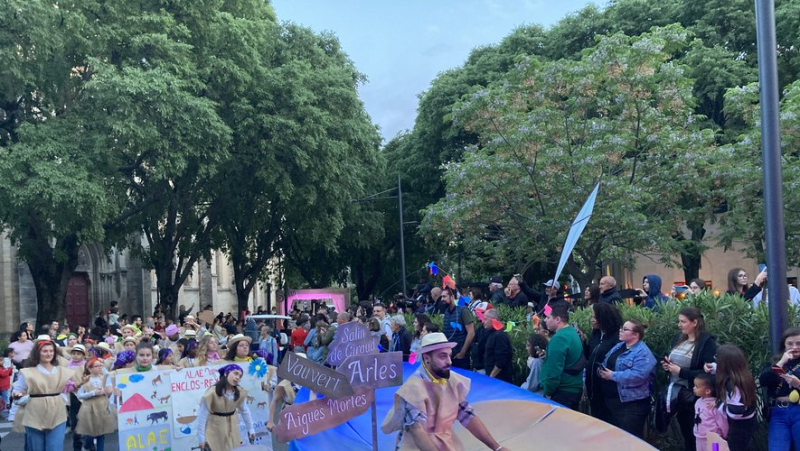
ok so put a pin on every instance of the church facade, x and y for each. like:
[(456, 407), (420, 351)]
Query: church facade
[(102, 277)]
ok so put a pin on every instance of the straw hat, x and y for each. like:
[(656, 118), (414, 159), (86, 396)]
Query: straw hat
[(104, 346), (129, 339), (79, 348), (190, 333), (434, 341), (234, 340)]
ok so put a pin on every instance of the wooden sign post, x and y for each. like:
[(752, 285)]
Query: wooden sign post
[(312, 417), (314, 376), (351, 339), (374, 371)]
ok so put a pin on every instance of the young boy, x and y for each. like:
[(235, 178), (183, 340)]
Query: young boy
[(707, 418), (6, 371)]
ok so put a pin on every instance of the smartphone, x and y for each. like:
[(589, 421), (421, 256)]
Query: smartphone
[(778, 370), (762, 267)]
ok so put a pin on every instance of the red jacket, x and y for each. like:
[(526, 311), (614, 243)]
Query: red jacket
[(5, 378)]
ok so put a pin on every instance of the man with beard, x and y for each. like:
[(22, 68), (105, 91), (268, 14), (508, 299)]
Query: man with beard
[(434, 393)]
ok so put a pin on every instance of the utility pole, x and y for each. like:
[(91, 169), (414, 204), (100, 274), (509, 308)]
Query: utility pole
[(771, 157)]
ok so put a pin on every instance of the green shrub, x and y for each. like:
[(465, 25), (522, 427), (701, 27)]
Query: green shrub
[(729, 318)]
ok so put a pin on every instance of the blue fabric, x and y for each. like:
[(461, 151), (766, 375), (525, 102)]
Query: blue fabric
[(654, 294), (634, 371), (357, 433)]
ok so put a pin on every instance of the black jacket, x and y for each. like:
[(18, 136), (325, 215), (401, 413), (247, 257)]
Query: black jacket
[(498, 353), (705, 351), (595, 350), (401, 341), (520, 300), (610, 296)]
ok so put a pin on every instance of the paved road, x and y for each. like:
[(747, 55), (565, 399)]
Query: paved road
[(16, 441)]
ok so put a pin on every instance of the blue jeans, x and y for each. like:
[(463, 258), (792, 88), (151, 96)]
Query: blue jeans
[(4, 395), (45, 440), (784, 427), (101, 442)]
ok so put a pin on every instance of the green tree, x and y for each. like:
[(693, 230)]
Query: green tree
[(621, 115)]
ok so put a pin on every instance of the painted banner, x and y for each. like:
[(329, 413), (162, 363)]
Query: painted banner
[(157, 410), (143, 418)]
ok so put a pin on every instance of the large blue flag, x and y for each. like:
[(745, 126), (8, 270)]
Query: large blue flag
[(576, 229)]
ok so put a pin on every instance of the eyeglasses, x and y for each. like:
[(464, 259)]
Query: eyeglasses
[(622, 329)]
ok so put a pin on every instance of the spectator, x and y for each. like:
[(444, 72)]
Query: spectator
[(496, 289), (696, 286), (708, 417), (535, 345), (608, 290), (314, 340), (591, 295), (299, 335), (627, 386), (268, 344), (737, 391), (498, 353), (516, 298), (401, 338), (564, 364), (22, 347), (691, 350), (435, 301), (6, 371), (784, 419), (737, 283), (379, 310), (761, 280), (651, 291), (606, 322), (376, 331), (327, 339), (419, 321), (459, 328)]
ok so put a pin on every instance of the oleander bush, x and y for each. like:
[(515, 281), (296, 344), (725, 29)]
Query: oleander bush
[(729, 318)]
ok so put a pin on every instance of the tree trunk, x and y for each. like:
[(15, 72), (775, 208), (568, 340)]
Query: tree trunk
[(692, 254), (366, 285), (50, 275)]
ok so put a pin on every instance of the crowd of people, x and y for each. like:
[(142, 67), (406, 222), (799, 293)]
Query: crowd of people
[(64, 376)]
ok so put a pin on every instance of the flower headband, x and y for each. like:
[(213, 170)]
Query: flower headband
[(124, 358)]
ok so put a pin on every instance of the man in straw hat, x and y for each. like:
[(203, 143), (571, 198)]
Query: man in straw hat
[(431, 400)]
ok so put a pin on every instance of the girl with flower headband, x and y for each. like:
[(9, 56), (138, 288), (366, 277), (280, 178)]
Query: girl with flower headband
[(39, 389), (220, 407), (94, 419)]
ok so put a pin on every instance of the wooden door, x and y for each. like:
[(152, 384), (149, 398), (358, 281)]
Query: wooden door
[(78, 308)]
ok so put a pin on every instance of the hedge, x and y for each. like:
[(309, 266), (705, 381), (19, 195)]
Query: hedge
[(729, 318)]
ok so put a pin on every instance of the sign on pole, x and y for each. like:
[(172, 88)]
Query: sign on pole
[(314, 376), (308, 418), (374, 370), (351, 339)]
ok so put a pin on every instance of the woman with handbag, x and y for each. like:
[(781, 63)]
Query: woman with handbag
[(691, 350)]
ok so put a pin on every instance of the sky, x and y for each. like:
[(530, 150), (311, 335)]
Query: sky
[(401, 45)]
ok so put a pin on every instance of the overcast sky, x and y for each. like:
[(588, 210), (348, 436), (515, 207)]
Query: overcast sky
[(401, 45)]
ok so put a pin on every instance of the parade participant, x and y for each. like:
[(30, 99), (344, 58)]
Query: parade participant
[(165, 357), (143, 361), (431, 400), (77, 363), (283, 395), (94, 420), (239, 349), (39, 387), (129, 344), (189, 356), (208, 351), (217, 419)]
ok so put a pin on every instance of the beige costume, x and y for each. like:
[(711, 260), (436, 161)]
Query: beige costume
[(438, 403), (95, 418), (45, 409), (222, 426)]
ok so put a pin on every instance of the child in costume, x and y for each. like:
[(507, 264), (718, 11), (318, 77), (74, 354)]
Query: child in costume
[(220, 407)]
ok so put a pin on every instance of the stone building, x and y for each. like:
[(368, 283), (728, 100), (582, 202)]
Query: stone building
[(117, 276)]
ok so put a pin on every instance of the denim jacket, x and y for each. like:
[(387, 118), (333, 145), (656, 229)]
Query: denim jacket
[(633, 372)]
